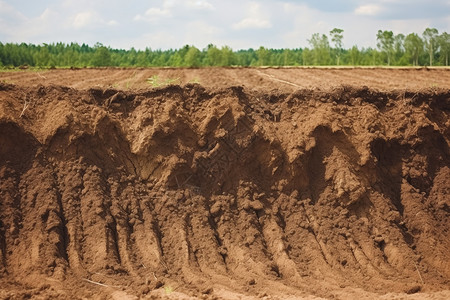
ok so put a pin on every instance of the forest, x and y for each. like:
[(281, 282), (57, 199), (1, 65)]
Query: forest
[(430, 48)]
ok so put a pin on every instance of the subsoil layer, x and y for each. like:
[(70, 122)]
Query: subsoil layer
[(225, 184)]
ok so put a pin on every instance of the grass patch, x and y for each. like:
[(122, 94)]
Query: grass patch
[(195, 80), (155, 81), (168, 289)]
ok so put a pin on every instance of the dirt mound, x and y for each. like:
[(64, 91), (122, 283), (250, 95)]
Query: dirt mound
[(224, 193)]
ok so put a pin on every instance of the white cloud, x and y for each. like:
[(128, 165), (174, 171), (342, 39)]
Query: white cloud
[(83, 19), (200, 4), (10, 20), (17, 27), (155, 13), (256, 19), (200, 33), (89, 19), (305, 22), (112, 23), (237, 23), (405, 27), (156, 40), (368, 10), (48, 15), (42, 23), (7, 10), (252, 23)]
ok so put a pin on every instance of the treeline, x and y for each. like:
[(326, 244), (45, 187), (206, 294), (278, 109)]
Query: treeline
[(428, 49)]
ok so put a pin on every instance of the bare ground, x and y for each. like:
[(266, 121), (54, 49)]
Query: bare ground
[(255, 183)]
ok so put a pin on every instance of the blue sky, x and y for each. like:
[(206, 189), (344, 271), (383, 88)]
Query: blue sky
[(240, 24)]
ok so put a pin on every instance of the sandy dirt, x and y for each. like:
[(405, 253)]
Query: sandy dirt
[(225, 184), (262, 79)]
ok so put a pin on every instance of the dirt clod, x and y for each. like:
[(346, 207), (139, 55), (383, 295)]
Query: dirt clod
[(414, 289)]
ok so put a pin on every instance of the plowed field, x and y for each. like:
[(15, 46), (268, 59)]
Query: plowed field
[(232, 183)]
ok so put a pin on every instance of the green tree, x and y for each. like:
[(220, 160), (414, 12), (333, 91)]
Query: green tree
[(355, 55), (321, 49), (307, 57), (336, 38), (430, 37), (385, 42), (192, 57), (246, 57), (227, 56), (393, 49), (213, 55), (399, 48), (414, 47), (141, 59), (101, 57), (444, 45), (175, 60), (289, 57), (370, 57), (162, 58), (130, 59), (263, 56), (42, 57)]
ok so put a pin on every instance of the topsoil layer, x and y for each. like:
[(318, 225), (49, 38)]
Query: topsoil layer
[(217, 190)]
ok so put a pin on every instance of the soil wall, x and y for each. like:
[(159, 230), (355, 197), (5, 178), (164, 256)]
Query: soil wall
[(192, 191)]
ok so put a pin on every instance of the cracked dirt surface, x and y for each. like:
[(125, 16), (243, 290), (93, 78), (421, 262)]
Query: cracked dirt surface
[(185, 192)]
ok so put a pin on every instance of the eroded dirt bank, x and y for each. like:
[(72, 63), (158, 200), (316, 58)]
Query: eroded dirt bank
[(224, 193)]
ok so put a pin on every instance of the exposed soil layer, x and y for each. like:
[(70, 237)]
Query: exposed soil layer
[(224, 192)]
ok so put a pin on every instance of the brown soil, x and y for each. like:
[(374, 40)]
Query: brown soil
[(293, 186), (261, 79)]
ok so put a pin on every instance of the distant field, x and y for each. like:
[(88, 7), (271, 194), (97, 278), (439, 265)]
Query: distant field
[(286, 79)]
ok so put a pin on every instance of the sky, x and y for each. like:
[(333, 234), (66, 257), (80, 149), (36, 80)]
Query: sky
[(240, 24)]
